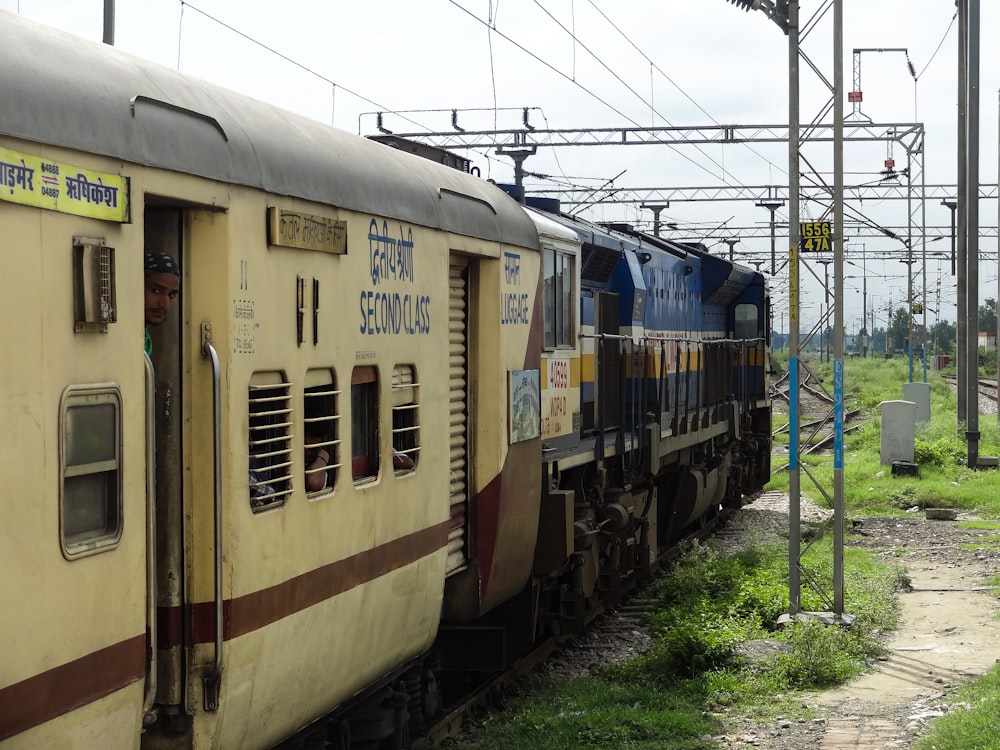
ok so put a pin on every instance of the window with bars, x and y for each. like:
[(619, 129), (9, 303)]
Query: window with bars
[(321, 432), (270, 440), (405, 419), (558, 269), (90, 458), (364, 423)]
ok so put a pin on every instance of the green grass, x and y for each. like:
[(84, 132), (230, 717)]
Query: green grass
[(711, 604), (994, 584), (939, 448), (599, 713), (674, 696), (973, 723)]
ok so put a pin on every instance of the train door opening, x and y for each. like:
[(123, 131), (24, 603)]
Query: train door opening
[(164, 233)]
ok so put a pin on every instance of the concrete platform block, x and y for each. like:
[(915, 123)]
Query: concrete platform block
[(940, 514)]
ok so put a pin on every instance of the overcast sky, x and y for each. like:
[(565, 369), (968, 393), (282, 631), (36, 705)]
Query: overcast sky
[(633, 62)]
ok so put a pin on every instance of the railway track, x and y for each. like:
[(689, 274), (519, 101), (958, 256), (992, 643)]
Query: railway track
[(987, 388), (816, 434), (989, 392), (613, 637)]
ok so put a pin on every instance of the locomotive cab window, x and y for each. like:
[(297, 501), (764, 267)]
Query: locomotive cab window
[(90, 461), (270, 441), (747, 322), (364, 423), (558, 283), (321, 432), (405, 419)]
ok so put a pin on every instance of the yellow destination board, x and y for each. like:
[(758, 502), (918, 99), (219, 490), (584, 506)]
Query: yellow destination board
[(306, 231), (43, 183)]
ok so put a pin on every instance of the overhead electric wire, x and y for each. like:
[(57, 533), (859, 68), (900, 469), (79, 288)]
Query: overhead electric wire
[(673, 83), (635, 93), (575, 83), (286, 58), (938, 48), (493, 76), (547, 64), (596, 57), (860, 216)]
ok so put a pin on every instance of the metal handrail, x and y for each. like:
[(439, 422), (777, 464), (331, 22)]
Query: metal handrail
[(214, 677), (151, 590)]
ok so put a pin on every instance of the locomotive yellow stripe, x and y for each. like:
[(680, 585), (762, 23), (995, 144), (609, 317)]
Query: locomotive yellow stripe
[(691, 361)]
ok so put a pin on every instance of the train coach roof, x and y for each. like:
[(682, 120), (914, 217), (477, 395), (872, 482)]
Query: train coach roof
[(548, 227), (62, 90)]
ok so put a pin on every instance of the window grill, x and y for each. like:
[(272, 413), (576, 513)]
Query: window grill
[(270, 444), (322, 428), (405, 413)]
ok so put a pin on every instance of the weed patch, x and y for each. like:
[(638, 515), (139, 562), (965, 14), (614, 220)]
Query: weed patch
[(974, 719)]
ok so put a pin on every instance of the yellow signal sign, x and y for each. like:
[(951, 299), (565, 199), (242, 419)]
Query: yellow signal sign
[(814, 236)]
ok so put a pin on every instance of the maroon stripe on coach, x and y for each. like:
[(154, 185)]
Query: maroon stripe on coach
[(254, 611), (258, 609), (45, 696), (59, 690)]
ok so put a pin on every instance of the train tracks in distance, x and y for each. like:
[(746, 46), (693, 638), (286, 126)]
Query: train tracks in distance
[(816, 434), (987, 388)]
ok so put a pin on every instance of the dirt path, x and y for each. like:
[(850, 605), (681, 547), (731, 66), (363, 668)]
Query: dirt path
[(948, 634)]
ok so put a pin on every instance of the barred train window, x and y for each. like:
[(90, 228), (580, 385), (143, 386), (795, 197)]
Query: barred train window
[(321, 431), (270, 440), (364, 423), (405, 419), (90, 462), (746, 322), (558, 285)]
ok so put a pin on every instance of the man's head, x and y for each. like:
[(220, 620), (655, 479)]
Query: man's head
[(163, 281)]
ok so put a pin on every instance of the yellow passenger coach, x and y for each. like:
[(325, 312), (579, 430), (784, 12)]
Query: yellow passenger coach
[(168, 579)]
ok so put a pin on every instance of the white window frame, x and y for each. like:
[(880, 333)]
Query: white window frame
[(93, 541), (559, 300)]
